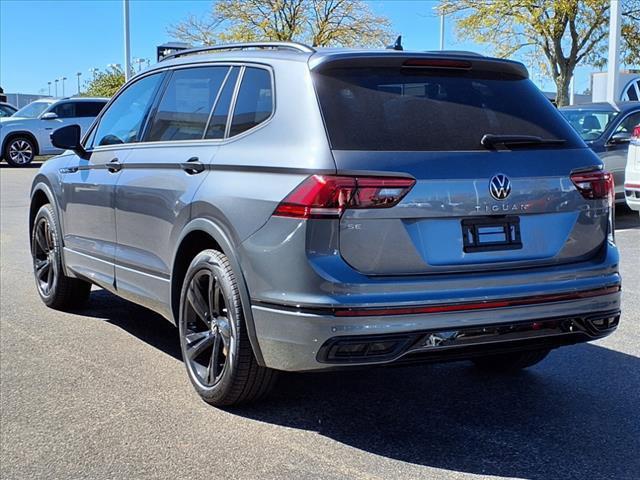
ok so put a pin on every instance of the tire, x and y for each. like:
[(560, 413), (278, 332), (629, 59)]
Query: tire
[(55, 289), (19, 151), (510, 362), (213, 336)]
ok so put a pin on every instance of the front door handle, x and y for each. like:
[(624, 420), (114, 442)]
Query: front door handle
[(192, 166), (114, 166)]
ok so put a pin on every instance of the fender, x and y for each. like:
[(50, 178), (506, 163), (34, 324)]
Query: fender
[(219, 234)]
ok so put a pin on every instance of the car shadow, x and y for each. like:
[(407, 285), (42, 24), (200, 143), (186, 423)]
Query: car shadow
[(626, 218), (575, 415), (136, 320)]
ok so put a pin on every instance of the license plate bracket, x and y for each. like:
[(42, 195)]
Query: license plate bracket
[(487, 234)]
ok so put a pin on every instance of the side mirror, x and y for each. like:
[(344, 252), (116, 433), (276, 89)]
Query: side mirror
[(620, 137), (68, 138), (49, 116)]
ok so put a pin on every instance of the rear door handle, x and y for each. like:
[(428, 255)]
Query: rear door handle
[(114, 166), (192, 166)]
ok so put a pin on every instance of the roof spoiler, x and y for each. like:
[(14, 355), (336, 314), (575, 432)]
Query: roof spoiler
[(413, 60)]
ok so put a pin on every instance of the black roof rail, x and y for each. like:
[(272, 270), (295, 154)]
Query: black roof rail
[(295, 46)]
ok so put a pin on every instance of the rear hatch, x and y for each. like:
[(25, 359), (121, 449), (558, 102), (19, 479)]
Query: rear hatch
[(507, 201)]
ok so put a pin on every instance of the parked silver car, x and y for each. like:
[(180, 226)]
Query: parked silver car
[(299, 209), (26, 133)]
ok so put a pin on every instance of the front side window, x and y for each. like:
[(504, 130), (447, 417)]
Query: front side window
[(33, 110), (65, 110), (123, 120), (183, 112), (255, 103), (628, 124)]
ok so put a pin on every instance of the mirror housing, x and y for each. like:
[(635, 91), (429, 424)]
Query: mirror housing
[(620, 137), (49, 116), (69, 138)]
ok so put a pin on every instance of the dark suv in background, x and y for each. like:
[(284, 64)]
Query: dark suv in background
[(299, 209)]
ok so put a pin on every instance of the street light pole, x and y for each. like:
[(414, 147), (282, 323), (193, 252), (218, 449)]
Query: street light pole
[(56, 85), (127, 51), (78, 75), (49, 84), (442, 32), (615, 22), (63, 79)]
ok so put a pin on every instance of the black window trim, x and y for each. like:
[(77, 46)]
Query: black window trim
[(165, 71)]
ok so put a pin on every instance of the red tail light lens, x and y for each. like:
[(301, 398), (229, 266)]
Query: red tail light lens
[(636, 133), (594, 185), (324, 196)]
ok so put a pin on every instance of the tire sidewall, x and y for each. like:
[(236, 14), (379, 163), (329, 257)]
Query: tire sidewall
[(46, 211), (209, 259), (8, 146)]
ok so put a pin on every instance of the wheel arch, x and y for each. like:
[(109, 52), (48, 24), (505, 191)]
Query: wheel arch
[(196, 236), (41, 194), (20, 133)]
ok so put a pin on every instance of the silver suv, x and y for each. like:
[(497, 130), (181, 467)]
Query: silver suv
[(293, 209), (26, 133)]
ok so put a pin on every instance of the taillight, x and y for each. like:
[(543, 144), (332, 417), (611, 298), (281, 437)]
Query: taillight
[(325, 196), (594, 185), (635, 135), (598, 185)]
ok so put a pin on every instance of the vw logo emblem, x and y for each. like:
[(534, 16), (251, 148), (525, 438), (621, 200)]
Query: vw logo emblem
[(500, 186)]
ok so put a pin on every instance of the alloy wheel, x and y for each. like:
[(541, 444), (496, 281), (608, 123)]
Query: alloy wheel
[(44, 257), (20, 151), (208, 334)]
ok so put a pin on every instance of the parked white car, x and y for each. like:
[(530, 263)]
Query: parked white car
[(26, 133), (632, 173)]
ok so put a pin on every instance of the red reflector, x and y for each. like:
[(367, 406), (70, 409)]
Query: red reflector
[(459, 307), (594, 185), (437, 63), (326, 196)]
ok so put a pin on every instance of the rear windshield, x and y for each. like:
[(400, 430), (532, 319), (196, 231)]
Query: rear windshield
[(396, 109)]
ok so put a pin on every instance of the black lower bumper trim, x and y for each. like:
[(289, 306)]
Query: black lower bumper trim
[(467, 342)]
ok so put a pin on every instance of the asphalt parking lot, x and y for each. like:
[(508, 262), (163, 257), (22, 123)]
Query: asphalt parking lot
[(102, 393)]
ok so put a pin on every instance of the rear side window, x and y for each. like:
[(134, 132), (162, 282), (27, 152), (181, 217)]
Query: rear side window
[(65, 110), (183, 112), (422, 110), (89, 109), (255, 102), (218, 122)]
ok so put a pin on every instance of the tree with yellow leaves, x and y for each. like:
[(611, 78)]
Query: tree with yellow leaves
[(560, 34)]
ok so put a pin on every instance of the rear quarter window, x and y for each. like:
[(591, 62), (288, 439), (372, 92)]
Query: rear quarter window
[(255, 100), (428, 110)]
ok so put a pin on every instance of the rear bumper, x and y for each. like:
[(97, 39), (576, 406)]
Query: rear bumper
[(299, 339), (632, 195)]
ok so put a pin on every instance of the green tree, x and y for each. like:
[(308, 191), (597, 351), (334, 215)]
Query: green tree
[(105, 83), (320, 23), (559, 34)]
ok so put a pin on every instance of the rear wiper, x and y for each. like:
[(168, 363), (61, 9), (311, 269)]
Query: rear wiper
[(503, 142)]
